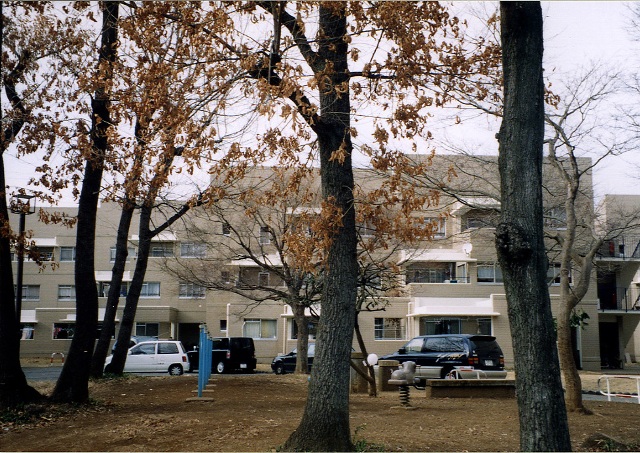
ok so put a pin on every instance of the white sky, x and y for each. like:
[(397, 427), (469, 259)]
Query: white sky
[(577, 33)]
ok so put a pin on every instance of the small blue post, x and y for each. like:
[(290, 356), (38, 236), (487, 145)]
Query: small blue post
[(204, 359)]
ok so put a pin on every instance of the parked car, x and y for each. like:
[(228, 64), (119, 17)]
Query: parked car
[(156, 356), (286, 363), (229, 353), (438, 355), (134, 340)]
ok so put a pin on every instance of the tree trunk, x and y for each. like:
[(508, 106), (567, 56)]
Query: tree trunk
[(113, 299), (73, 383), (325, 422), (519, 236), (13, 383), (133, 296), (572, 382), (302, 341)]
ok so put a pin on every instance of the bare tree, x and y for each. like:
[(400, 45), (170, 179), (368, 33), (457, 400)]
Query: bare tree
[(576, 129)]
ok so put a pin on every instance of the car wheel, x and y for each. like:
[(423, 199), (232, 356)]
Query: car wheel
[(279, 369), (220, 367), (175, 370)]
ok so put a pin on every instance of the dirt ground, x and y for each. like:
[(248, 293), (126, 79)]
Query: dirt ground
[(258, 412)]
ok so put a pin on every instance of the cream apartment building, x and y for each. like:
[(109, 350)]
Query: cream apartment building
[(450, 284)]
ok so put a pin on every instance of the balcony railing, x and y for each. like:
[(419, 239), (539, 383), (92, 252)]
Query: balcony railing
[(626, 247), (437, 279), (626, 299)]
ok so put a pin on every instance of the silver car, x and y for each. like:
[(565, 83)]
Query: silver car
[(157, 356)]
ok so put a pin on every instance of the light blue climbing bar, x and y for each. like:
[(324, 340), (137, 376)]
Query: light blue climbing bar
[(205, 349)]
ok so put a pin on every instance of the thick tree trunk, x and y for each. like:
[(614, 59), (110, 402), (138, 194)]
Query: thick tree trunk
[(325, 423), (113, 298), (519, 237), (13, 383), (73, 383), (302, 341)]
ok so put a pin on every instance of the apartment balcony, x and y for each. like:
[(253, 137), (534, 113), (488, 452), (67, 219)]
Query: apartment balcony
[(620, 249), (620, 300)]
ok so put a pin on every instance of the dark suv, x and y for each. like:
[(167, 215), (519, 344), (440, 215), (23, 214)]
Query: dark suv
[(229, 353), (438, 355)]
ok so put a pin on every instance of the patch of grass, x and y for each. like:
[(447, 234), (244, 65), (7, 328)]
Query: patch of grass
[(361, 444)]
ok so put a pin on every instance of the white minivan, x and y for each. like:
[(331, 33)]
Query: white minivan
[(156, 356)]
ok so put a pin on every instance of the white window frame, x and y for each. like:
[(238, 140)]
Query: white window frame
[(64, 251), (383, 328), (131, 253), (193, 250), (259, 328), (496, 275), (30, 292), (161, 250), (148, 290), (70, 289), (190, 290)]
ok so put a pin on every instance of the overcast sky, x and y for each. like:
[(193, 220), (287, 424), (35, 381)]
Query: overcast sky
[(577, 33)]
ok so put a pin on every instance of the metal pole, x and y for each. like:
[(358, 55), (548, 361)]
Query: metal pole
[(20, 271)]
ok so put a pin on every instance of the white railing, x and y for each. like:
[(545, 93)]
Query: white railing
[(460, 372), (608, 392)]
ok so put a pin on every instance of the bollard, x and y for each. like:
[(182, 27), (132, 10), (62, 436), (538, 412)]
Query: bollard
[(55, 354)]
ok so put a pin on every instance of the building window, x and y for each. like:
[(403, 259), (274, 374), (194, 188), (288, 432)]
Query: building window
[(556, 218), (161, 250), (389, 329), (30, 292), (191, 291), (259, 328), (131, 253), (150, 289), (312, 325), (225, 276), (193, 250), (66, 292), (443, 325), (45, 254), (489, 273), (226, 229), (431, 273), (263, 279), (484, 326), (103, 289), (147, 329), (265, 236), (223, 325), (553, 274), (63, 330), (67, 253), (437, 225), (479, 218), (26, 331)]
